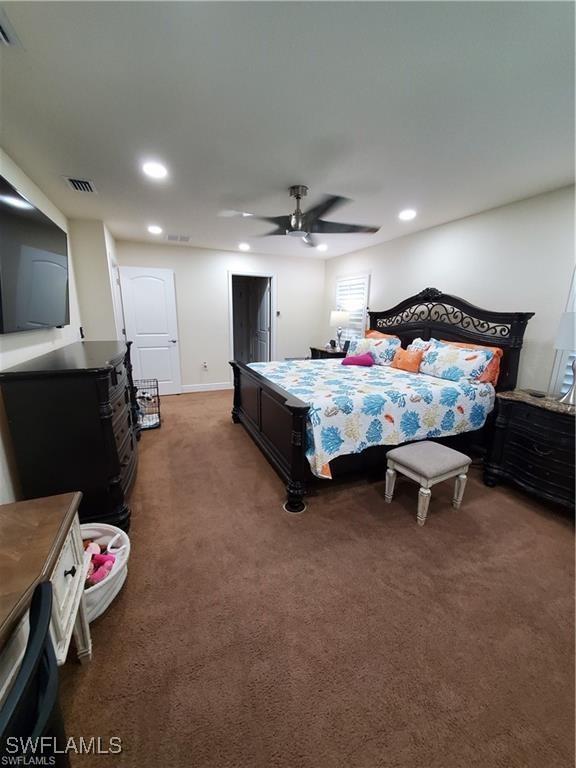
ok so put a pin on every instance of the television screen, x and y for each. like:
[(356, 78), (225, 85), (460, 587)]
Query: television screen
[(33, 266)]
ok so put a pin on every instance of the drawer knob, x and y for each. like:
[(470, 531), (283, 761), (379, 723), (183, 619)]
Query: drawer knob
[(71, 572)]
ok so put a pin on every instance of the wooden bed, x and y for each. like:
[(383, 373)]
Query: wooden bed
[(276, 420)]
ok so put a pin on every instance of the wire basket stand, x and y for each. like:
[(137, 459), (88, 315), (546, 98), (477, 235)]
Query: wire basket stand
[(148, 399)]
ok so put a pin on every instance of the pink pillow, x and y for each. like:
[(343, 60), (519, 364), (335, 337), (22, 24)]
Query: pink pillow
[(366, 359)]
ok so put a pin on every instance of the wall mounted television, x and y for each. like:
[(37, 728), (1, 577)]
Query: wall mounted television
[(33, 266)]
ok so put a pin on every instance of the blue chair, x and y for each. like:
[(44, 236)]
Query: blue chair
[(31, 707)]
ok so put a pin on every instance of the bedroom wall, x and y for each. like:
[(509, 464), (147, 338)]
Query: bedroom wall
[(18, 347), (519, 257), (201, 277), (89, 243)]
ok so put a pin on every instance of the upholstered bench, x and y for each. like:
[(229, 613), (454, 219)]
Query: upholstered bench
[(428, 463)]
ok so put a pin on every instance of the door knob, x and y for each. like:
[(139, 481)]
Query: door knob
[(173, 341)]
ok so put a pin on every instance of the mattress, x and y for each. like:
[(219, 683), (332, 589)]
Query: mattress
[(353, 408)]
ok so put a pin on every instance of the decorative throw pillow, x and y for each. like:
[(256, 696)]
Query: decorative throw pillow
[(366, 360), (382, 350), (446, 361), (492, 370), (408, 359), (420, 344)]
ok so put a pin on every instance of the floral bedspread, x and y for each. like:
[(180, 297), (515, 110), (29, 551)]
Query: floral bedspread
[(353, 408)]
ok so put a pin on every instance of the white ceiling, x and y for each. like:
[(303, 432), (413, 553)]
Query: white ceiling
[(450, 108)]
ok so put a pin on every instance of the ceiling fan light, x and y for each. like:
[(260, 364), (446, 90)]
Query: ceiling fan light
[(154, 170)]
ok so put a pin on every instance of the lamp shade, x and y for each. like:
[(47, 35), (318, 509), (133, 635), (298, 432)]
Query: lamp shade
[(566, 336), (338, 317)]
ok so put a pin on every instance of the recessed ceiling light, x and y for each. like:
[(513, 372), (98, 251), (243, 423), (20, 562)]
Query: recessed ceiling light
[(243, 246), (154, 229), (154, 169), (16, 202), (322, 247), (407, 214)]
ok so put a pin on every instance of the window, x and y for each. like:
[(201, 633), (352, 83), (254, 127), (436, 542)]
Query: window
[(352, 296), (561, 379)]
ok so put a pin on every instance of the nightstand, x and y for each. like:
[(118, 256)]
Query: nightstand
[(318, 353), (533, 446), (41, 540)]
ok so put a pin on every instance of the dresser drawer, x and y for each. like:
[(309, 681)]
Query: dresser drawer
[(67, 573), (122, 426), (128, 472), (554, 452), (120, 400), (530, 418), (126, 450), (538, 473), (67, 581), (118, 381)]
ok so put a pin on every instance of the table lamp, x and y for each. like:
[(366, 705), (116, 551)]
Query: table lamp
[(566, 342), (338, 318)]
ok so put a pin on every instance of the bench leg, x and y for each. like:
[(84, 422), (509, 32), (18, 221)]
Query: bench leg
[(390, 481), (423, 502), (459, 491)]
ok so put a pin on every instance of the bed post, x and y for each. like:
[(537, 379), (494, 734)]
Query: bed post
[(296, 487)]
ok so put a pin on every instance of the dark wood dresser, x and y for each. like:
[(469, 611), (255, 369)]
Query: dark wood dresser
[(72, 418), (533, 446), (318, 353)]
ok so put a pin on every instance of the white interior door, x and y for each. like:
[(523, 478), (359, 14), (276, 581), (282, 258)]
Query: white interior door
[(262, 329), (149, 302)]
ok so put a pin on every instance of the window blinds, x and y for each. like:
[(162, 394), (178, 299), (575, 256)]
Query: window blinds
[(352, 296)]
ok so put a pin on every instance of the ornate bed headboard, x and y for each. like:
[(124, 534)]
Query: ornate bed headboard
[(432, 313)]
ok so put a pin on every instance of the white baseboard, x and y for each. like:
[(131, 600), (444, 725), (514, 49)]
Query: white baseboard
[(206, 387)]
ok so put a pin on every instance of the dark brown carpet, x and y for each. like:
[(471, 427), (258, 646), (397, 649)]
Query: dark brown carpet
[(347, 637)]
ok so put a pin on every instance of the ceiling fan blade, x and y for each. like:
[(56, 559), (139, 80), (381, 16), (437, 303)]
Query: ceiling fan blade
[(335, 227), (328, 203), (282, 222), (274, 232)]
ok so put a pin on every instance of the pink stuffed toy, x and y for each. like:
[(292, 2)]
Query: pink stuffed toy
[(101, 573), (99, 559), (92, 548), (100, 567)]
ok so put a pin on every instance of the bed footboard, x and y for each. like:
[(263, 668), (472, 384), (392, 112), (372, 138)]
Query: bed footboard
[(276, 421)]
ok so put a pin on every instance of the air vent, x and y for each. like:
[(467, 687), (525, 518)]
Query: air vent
[(4, 37), (178, 238), (7, 34), (81, 185)]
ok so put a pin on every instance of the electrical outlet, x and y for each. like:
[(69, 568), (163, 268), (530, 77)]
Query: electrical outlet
[(205, 365)]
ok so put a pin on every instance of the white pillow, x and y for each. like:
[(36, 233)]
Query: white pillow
[(382, 350)]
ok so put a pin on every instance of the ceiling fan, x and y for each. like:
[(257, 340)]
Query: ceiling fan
[(307, 224)]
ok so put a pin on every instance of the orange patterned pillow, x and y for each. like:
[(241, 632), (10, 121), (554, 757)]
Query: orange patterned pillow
[(492, 370), (377, 335), (408, 359)]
